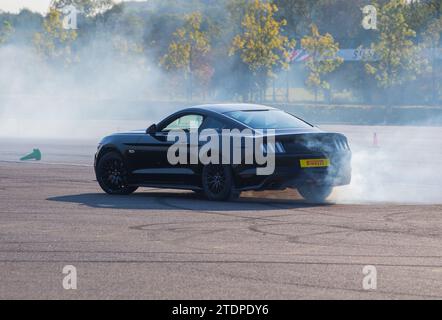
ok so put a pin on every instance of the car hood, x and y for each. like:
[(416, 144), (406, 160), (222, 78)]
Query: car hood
[(129, 136), (139, 131)]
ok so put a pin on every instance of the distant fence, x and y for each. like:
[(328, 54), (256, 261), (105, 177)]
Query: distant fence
[(297, 56)]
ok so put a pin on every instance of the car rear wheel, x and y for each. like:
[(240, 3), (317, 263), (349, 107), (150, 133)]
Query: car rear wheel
[(218, 184), (315, 193), (112, 175)]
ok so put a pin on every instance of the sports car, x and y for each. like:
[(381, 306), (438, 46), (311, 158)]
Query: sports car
[(305, 157)]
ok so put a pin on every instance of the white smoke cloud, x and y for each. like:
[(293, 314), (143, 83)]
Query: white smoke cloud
[(405, 167), (37, 100)]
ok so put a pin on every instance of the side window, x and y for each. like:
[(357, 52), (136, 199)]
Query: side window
[(187, 122), (211, 123)]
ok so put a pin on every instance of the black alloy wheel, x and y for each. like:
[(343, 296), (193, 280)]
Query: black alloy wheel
[(112, 175)]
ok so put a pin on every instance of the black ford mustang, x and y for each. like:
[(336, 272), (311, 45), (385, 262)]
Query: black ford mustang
[(306, 158)]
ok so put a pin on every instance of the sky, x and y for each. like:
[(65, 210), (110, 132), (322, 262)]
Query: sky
[(34, 5)]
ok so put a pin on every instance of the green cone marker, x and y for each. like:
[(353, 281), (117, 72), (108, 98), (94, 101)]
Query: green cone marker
[(34, 155)]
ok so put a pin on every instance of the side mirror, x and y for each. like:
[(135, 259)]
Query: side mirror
[(152, 129)]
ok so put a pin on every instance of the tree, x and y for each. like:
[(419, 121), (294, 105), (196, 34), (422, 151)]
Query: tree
[(261, 45), (418, 14), (87, 7), (323, 59), (298, 14), (127, 35), (190, 46), (6, 31), (398, 58), (54, 42), (237, 10), (432, 37)]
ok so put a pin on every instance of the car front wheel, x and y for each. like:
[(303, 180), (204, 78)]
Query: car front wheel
[(315, 193), (112, 175)]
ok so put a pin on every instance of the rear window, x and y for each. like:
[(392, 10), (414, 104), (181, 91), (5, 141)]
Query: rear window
[(268, 119)]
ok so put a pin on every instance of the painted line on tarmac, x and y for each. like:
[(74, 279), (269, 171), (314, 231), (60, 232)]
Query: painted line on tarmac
[(48, 163)]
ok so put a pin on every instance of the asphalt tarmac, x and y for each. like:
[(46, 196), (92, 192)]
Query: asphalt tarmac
[(168, 244)]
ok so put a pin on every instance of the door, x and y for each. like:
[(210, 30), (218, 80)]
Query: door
[(152, 164)]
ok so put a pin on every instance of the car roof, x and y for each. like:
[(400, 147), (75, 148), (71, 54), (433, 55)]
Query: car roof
[(223, 108)]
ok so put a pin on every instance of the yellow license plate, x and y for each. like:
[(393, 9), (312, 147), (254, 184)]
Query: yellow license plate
[(315, 163)]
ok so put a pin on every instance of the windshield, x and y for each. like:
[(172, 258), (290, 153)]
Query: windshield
[(268, 119)]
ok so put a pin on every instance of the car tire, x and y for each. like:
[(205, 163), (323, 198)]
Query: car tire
[(112, 175), (218, 184), (315, 193)]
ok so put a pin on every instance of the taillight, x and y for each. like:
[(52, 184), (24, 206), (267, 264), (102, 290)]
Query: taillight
[(278, 147), (341, 144)]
